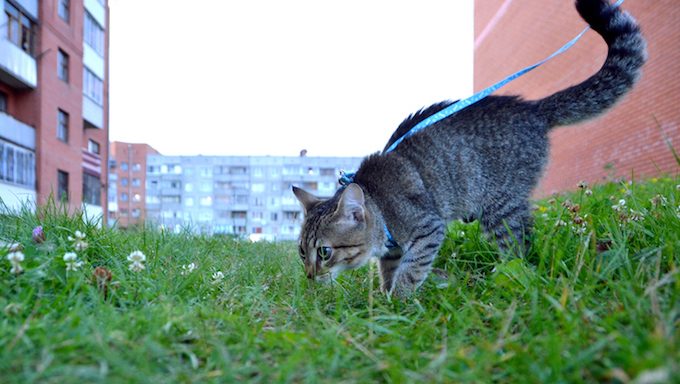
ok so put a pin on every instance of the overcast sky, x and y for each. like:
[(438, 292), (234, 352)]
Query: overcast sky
[(272, 77)]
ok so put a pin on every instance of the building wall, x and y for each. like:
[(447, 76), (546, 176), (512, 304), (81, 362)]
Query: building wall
[(629, 139), (54, 94), (244, 196), (128, 163), (36, 105)]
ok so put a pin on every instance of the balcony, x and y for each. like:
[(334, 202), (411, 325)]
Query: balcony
[(16, 131), (18, 69), (97, 10), (93, 113), (92, 162)]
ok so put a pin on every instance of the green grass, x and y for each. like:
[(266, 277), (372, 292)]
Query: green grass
[(601, 305)]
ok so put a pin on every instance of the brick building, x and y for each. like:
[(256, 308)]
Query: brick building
[(54, 102), (127, 183), (631, 138)]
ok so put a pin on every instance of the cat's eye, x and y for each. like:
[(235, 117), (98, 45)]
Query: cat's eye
[(324, 252), (302, 252)]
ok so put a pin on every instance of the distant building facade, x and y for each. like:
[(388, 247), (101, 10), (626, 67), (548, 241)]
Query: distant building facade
[(632, 138), (54, 102), (127, 181), (244, 196)]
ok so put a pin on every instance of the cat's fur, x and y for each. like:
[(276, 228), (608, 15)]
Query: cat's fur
[(481, 163)]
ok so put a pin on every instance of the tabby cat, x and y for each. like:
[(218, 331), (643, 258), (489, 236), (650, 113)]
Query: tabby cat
[(480, 163)]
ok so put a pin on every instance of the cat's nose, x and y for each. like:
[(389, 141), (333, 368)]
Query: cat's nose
[(310, 275)]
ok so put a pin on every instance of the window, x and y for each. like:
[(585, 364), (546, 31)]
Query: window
[(92, 189), (64, 10), (136, 197), (62, 126), (124, 182), (238, 170), (17, 165), (327, 172), (238, 214), (136, 182), (206, 201), (93, 147), (62, 65), (3, 102), (124, 197), (136, 212), (136, 167), (123, 166), (93, 87), (19, 28), (62, 185), (93, 34)]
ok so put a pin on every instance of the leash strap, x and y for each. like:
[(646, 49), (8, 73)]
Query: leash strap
[(453, 108)]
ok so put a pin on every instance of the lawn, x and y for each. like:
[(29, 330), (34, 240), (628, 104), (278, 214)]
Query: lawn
[(597, 299)]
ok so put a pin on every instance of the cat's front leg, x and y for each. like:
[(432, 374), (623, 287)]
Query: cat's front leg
[(416, 263), (387, 265)]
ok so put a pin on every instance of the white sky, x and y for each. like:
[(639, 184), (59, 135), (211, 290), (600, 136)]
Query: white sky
[(271, 77)]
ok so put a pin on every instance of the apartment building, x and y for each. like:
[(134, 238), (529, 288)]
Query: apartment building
[(127, 181), (632, 138), (54, 102), (245, 196)]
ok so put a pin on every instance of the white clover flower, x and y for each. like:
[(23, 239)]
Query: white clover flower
[(188, 268), (136, 259), (137, 256), (72, 262), (217, 277), (579, 229), (588, 192), (136, 266), (560, 223), (79, 242), (659, 200), (619, 206), (15, 258), (636, 216), (73, 265), (80, 246)]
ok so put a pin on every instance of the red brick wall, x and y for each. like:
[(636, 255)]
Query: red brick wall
[(625, 141), (55, 94)]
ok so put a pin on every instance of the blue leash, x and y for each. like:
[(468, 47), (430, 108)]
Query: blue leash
[(347, 178), (455, 107)]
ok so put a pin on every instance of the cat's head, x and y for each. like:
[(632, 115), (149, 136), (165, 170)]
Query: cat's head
[(335, 233)]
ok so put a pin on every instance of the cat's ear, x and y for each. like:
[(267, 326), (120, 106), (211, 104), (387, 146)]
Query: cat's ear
[(307, 200), (351, 206)]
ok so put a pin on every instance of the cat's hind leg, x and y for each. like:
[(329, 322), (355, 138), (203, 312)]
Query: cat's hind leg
[(509, 224)]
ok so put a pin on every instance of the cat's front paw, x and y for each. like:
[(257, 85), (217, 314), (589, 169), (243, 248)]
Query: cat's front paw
[(404, 286)]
